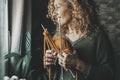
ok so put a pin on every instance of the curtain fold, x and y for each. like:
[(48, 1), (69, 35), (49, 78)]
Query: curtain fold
[(21, 26), (17, 14), (28, 24), (20, 29), (3, 35), (17, 29)]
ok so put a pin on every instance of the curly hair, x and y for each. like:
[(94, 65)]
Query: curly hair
[(84, 12)]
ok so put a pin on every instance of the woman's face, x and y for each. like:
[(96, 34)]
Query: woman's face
[(62, 12)]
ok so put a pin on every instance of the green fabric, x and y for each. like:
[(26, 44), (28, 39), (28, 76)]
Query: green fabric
[(94, 49)]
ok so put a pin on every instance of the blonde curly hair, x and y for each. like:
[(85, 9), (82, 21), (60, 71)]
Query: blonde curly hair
[(84, 14)]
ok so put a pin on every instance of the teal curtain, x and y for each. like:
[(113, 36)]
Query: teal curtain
[(17, 39), (3, 35)]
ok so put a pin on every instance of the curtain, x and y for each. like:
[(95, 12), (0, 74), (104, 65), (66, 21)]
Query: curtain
[(17, 17), (17, 39), (27, 24), (20, 28), (21, 25), (3, 35)]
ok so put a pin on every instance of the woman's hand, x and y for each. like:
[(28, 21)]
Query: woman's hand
[(71, 60), (67, 60), (49, 58), (62, 59)]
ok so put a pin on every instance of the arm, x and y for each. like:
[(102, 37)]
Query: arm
[(103, 70)]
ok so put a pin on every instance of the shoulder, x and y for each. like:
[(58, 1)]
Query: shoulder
[(97, 34), (100, 37)]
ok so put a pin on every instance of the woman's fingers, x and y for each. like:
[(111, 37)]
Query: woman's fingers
[(62, 63), (62, 59), (49, 57), (49, 61)]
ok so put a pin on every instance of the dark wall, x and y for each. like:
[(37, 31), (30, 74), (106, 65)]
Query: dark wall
[(109, 18), (38, 17)]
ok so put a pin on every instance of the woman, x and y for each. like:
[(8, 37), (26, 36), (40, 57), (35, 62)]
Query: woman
[(91, 58)]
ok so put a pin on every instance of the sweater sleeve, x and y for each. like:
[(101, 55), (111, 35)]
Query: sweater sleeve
[(104, 68)]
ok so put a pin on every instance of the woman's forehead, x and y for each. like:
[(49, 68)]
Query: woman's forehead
[(58, 2)]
